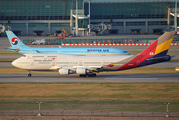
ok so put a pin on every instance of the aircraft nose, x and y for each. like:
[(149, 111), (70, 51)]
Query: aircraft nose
[(14, 63)]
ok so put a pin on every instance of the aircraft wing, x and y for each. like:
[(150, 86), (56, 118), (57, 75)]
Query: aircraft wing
[(38, 51), (91, 68)]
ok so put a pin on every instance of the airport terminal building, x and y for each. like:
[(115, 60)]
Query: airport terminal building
[(26, 17)]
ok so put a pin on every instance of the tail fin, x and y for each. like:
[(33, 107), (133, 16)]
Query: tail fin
[(155, 53), (161, 46), (15, 41)]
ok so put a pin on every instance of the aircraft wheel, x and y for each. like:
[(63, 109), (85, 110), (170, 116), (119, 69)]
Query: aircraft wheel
[(90, 75), (81, 75), (84, 75), (29, 75), (94, 75)]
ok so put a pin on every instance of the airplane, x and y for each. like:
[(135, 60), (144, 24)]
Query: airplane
[(89, 65), (18, 46)]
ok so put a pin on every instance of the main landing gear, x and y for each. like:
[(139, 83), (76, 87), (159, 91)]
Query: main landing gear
[(88, 75), (29, 75)]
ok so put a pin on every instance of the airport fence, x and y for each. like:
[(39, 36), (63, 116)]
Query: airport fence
[(86, 113), (97, 41)]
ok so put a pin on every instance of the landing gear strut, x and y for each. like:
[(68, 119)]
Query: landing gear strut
[(92, 75), (89, 75), (29, 75), (82, 75)]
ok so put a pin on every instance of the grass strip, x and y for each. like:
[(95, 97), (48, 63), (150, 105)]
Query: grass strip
[(14, 70), (174, 60), (105, 105), (6, 60), (90, 91), (9, 53)]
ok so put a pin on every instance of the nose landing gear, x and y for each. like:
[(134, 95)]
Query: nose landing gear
[(29, 75)]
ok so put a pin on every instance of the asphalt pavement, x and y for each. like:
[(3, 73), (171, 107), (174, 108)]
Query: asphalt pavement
[(100, 78)]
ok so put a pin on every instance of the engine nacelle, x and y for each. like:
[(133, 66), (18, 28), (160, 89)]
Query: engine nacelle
[(81, 70), (63, 71)]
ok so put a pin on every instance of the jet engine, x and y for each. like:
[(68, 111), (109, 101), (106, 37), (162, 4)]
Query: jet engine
[(65, 71), (81, 70)]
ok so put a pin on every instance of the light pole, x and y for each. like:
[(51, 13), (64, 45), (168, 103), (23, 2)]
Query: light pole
[(175, 17), (76, 17), (89, 18), (167, 109), (39, 114)]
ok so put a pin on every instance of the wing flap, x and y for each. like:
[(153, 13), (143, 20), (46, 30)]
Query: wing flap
[(94, 68)]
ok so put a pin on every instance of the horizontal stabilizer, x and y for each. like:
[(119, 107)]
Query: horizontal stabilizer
[(172, 56), (163, 58), (14, 49)]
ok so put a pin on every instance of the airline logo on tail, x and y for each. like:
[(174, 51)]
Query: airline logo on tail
[(14, 41)]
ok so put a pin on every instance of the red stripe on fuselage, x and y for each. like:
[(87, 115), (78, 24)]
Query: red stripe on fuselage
[(150, 51)]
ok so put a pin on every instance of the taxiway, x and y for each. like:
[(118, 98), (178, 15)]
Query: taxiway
[(42, 78)]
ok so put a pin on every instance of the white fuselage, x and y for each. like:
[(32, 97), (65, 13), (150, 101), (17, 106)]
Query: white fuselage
[(45, 62)]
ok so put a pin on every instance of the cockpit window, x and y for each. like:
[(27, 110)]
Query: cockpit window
[(23, 55), (125, 52)]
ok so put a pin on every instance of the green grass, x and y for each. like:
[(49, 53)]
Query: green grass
[(105, 105), (9, 53), (6, 60), (89, 91), (143, 97)]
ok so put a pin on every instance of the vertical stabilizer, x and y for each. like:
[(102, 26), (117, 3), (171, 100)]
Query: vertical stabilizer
[(155, 53), (160, 46), (15, 41)]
